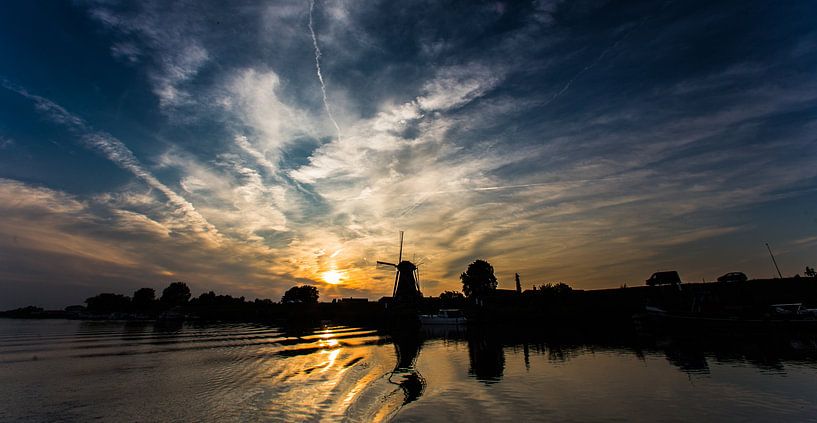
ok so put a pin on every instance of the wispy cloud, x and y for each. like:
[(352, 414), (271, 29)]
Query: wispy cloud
[(169, 34), (115, 151), (6, 142)]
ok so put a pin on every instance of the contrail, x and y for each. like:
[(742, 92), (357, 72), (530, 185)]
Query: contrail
[(531, 185), (318, 68), (425, 194), (592, 64)]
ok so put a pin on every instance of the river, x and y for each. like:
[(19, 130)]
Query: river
[(63, 370)]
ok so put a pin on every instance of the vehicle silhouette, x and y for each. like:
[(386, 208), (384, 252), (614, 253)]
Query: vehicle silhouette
[(664, 278), (733, 277)]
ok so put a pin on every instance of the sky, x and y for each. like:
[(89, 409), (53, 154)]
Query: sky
[(246, 147)]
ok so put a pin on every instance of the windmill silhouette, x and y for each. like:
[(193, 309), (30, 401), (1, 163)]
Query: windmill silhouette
[(406, 279)]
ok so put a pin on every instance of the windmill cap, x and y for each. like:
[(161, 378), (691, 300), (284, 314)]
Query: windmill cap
[(406, 266)]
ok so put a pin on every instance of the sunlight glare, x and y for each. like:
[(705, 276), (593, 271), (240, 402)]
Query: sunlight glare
[(332, 277)]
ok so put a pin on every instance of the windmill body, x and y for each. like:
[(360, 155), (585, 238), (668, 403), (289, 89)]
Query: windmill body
[(406, 289)]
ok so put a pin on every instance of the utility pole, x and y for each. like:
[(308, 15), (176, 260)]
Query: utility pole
[(773, 260)]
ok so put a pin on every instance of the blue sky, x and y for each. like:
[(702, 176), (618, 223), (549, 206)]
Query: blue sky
[(249, 146)]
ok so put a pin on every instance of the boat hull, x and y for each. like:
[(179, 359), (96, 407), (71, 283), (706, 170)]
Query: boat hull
[(448, 321), (699, 323)]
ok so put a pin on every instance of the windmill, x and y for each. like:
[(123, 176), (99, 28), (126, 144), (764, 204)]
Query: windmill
[(406, 279)]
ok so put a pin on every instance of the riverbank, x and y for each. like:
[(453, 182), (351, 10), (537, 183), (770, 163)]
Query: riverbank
[(737, 299), (602, 307)]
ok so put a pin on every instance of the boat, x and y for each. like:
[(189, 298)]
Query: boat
[(779, 317), (793, 310), (450, 316)]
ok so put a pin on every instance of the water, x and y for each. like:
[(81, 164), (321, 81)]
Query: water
[(58, 370)]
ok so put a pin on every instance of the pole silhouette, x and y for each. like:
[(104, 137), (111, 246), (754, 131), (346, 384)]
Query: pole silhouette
[(773, 260)]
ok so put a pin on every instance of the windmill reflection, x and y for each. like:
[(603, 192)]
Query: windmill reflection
[(407, 345)]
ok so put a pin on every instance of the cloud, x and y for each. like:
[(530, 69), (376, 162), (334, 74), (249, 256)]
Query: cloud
[(126, 51), (456, 86), (697, 235), (6, 142), (115, 151), (118, 153), (252, 98), (117, 241), (169, 33), (450, 131), (805, 241), (42, 219)]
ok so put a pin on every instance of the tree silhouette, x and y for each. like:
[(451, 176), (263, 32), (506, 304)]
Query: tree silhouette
[(452, 299), (143, 298), (478, 280), (304, 294), (810, 272), (176, 294), (107, 303), (211, 299), (560, 289)]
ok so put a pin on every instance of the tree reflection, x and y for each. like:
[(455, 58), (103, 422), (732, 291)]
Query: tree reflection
[(693, 354), (486, 354), (768, 353), (689, 361)]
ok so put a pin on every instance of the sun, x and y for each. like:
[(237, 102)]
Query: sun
[(331, 277)]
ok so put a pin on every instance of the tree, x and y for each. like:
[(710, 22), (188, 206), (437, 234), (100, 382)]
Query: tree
[(144, 298), (304, 294), (478, 280), (108, 303), (211, 299), (557, 290), (176, 294), (452, 299), (810, 272)]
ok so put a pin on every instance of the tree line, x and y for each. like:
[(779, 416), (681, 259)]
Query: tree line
[(177, 294), (478, 282)]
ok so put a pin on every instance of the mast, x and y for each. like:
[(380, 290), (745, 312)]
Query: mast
[(767, 247)]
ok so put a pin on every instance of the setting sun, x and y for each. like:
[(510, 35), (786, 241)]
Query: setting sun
[(332, 277)]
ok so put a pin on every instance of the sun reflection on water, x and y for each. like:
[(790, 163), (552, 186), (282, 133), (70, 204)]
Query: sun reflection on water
[(334, 372), (330, 362)]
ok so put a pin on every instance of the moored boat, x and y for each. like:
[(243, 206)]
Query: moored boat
[(444, 317), (780, 317)]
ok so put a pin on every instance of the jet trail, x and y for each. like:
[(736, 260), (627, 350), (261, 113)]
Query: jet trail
[(425, 194), (592, 64), (519, 186), (318, 68)]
